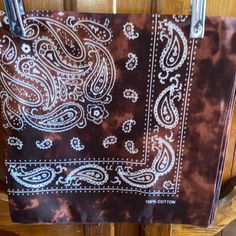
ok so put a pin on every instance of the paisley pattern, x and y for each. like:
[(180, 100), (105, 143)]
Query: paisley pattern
[(162, 164), (59, 83), (51, 80), (44, 145), (165, 158), (131, 94), (144, 178), (132, 61), (75, 143), (165, 111), (130, 147), (44, 176), (129, 31), (92, 174), (8, 55), (108, 141), (15, 142), (128, 142), (175, 53), (128, 125), (36, 178)]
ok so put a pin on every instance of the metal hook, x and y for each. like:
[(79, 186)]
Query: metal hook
[(15, 10), (198, 12)]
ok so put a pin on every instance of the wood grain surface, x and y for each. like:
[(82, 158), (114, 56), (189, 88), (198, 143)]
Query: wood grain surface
[(214, 7)]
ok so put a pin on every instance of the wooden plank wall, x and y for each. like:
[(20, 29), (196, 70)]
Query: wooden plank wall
[(214, 7)]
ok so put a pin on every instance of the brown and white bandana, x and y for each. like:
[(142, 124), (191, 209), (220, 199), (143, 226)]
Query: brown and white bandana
[(115, 117)]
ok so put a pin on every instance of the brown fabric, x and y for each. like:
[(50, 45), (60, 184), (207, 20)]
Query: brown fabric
[(113, 118)]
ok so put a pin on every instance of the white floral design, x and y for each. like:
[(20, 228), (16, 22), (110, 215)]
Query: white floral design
[(96, 113), (26, 48), (168, 185)]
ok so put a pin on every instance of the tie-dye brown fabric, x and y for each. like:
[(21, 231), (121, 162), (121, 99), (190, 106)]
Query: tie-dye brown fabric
[(115, 118)]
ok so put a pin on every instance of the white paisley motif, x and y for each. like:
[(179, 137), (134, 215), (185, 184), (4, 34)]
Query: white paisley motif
[(75, 143), (128, 125), (144, 178), (132, 62), (161, 165), (44, 145), (129, 31), (91, 173), (131, 94), (110, 140), (130, 147), (9, 55), (165, 111), (99, 32), (174, 54), (64, 80), (15, 142), (36, 178)]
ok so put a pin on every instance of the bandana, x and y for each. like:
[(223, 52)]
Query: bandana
[(115, 118)]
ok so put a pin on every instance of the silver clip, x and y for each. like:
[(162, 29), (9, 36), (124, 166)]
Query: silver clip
[(15, 10), (198, 13)]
